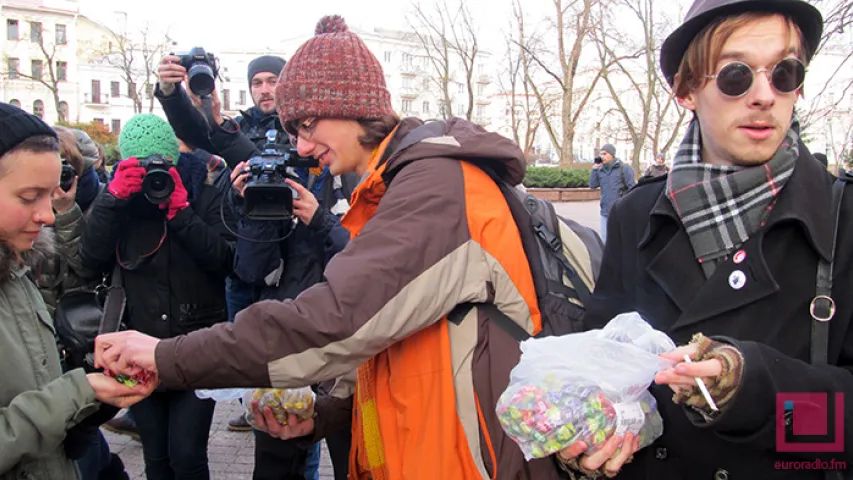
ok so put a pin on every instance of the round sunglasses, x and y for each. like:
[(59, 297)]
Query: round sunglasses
[(736, 78)]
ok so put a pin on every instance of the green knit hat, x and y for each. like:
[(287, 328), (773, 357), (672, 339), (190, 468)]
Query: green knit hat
[(147, 134)]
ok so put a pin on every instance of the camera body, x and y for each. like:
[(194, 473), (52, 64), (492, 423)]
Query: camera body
[(202, 70), (66, 178), (597, 160), (157, 184), (267, 196)]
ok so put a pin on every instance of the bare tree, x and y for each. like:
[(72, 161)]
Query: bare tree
[(524, 114), (448, 36), (836, 44), (46, 69), (572, 17), (629, 64), (136, 55)]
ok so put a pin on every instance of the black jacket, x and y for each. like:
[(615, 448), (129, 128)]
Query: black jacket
[(191, 126), (649, 267), (181, 286)]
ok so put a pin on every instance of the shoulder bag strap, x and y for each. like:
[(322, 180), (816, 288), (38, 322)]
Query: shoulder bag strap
[(823, 306)]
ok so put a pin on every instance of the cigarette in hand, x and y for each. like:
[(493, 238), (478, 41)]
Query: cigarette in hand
[(703, 388)]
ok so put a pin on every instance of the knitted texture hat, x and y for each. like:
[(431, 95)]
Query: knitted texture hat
[(266, 63), (87, 148), (332, 75), (147, 134), (17, 125), (609, 149)]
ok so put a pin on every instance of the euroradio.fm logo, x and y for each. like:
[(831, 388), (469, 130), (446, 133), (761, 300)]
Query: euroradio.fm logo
[(810, 422)]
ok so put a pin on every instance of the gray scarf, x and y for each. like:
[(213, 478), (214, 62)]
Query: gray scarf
[(722, 206)]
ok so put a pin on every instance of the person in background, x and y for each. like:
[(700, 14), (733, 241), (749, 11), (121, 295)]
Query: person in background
[(659, 168), (614, 178)]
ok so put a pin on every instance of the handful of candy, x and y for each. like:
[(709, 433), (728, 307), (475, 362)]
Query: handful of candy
[(298, 401), (129, 381), (585, 387), (552, 415)]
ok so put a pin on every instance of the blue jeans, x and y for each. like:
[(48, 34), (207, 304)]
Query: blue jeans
[(603, 233), (312, 462), (238, 295), (96, 459), (174, 428)]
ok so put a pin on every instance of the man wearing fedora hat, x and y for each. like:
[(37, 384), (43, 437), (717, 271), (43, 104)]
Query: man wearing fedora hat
[(723, 255)]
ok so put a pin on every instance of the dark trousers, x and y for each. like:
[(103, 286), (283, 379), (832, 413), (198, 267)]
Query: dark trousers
[(96, 459), (174, 427), (278, 459), (340, 443), (238, 295)]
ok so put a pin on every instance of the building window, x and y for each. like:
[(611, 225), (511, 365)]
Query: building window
[(15, 102), (37, 69), (481, 88), (61, 37), (226, 99), (35, 32), (460, 109), (12, 29), (13, 66), (96, 91), (131, 89), (63, 109), (407, 82), (242, 97), (115, 89), (98, 120), (407, 105), (149, 91), (387, 57), (426, 107), (61, 71), (116, 126), (407, 60), (38, 109), (481, 111), (461, 88), (426, 84)]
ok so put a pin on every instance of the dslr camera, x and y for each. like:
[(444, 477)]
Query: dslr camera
[(267, 196), (157, 184), (596, 160), (202, 70), (66, 178)]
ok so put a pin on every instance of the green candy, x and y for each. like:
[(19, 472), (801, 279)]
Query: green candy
[(127, 381)]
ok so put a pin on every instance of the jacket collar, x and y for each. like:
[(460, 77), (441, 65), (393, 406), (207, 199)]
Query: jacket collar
[(806, 200)]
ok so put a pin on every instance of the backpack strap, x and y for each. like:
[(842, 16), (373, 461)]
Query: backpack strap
[(823, 306), (495, 316)]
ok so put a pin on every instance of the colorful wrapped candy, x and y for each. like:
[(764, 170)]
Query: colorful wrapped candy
[(544, 419), (585, 387), (298, 401)]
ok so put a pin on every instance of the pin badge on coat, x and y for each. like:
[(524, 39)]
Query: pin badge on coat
[(737, 280)]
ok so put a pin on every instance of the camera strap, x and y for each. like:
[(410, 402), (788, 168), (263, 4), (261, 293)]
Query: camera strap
[(142, 260), (207, 108)]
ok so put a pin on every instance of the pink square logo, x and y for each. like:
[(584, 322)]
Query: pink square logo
[(810, 422)]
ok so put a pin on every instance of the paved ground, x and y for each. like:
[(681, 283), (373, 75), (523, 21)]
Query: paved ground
[(231, 453)]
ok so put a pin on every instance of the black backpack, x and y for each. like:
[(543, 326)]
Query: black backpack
[(564, 256)]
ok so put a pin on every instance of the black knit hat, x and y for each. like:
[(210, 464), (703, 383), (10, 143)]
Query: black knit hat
[(17, 125), (703, 12), (266, 63)]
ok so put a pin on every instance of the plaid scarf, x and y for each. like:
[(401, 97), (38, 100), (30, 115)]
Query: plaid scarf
[(722, 206)]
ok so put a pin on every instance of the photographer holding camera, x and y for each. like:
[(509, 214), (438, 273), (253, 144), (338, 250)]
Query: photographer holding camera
[(215, 133), (160, 218)]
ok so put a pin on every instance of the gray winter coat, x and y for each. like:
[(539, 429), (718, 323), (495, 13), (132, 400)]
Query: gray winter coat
[(38, 404), (613, 178)]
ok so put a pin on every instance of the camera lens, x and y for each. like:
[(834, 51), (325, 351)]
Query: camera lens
[(158, 186), (201, 78)]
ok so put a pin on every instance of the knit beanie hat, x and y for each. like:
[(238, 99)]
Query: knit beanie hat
[(87, 148), (147, 134), (17, 125), (332, 75), (266, 63), (609, 148)]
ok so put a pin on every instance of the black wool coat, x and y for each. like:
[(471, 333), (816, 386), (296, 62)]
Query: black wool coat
[(649, 267)]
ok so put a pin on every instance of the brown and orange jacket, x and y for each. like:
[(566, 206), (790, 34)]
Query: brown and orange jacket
[(439, 235)]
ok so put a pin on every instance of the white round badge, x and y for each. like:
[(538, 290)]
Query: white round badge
[(737, 280)]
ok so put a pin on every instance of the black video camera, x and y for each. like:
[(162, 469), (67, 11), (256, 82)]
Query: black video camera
[(157, 185), (66, 178), (267, 196), (202, 70), (596, 160)]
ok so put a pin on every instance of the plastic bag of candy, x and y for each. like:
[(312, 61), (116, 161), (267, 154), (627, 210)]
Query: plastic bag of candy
[(585, 387), (298, 401)]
